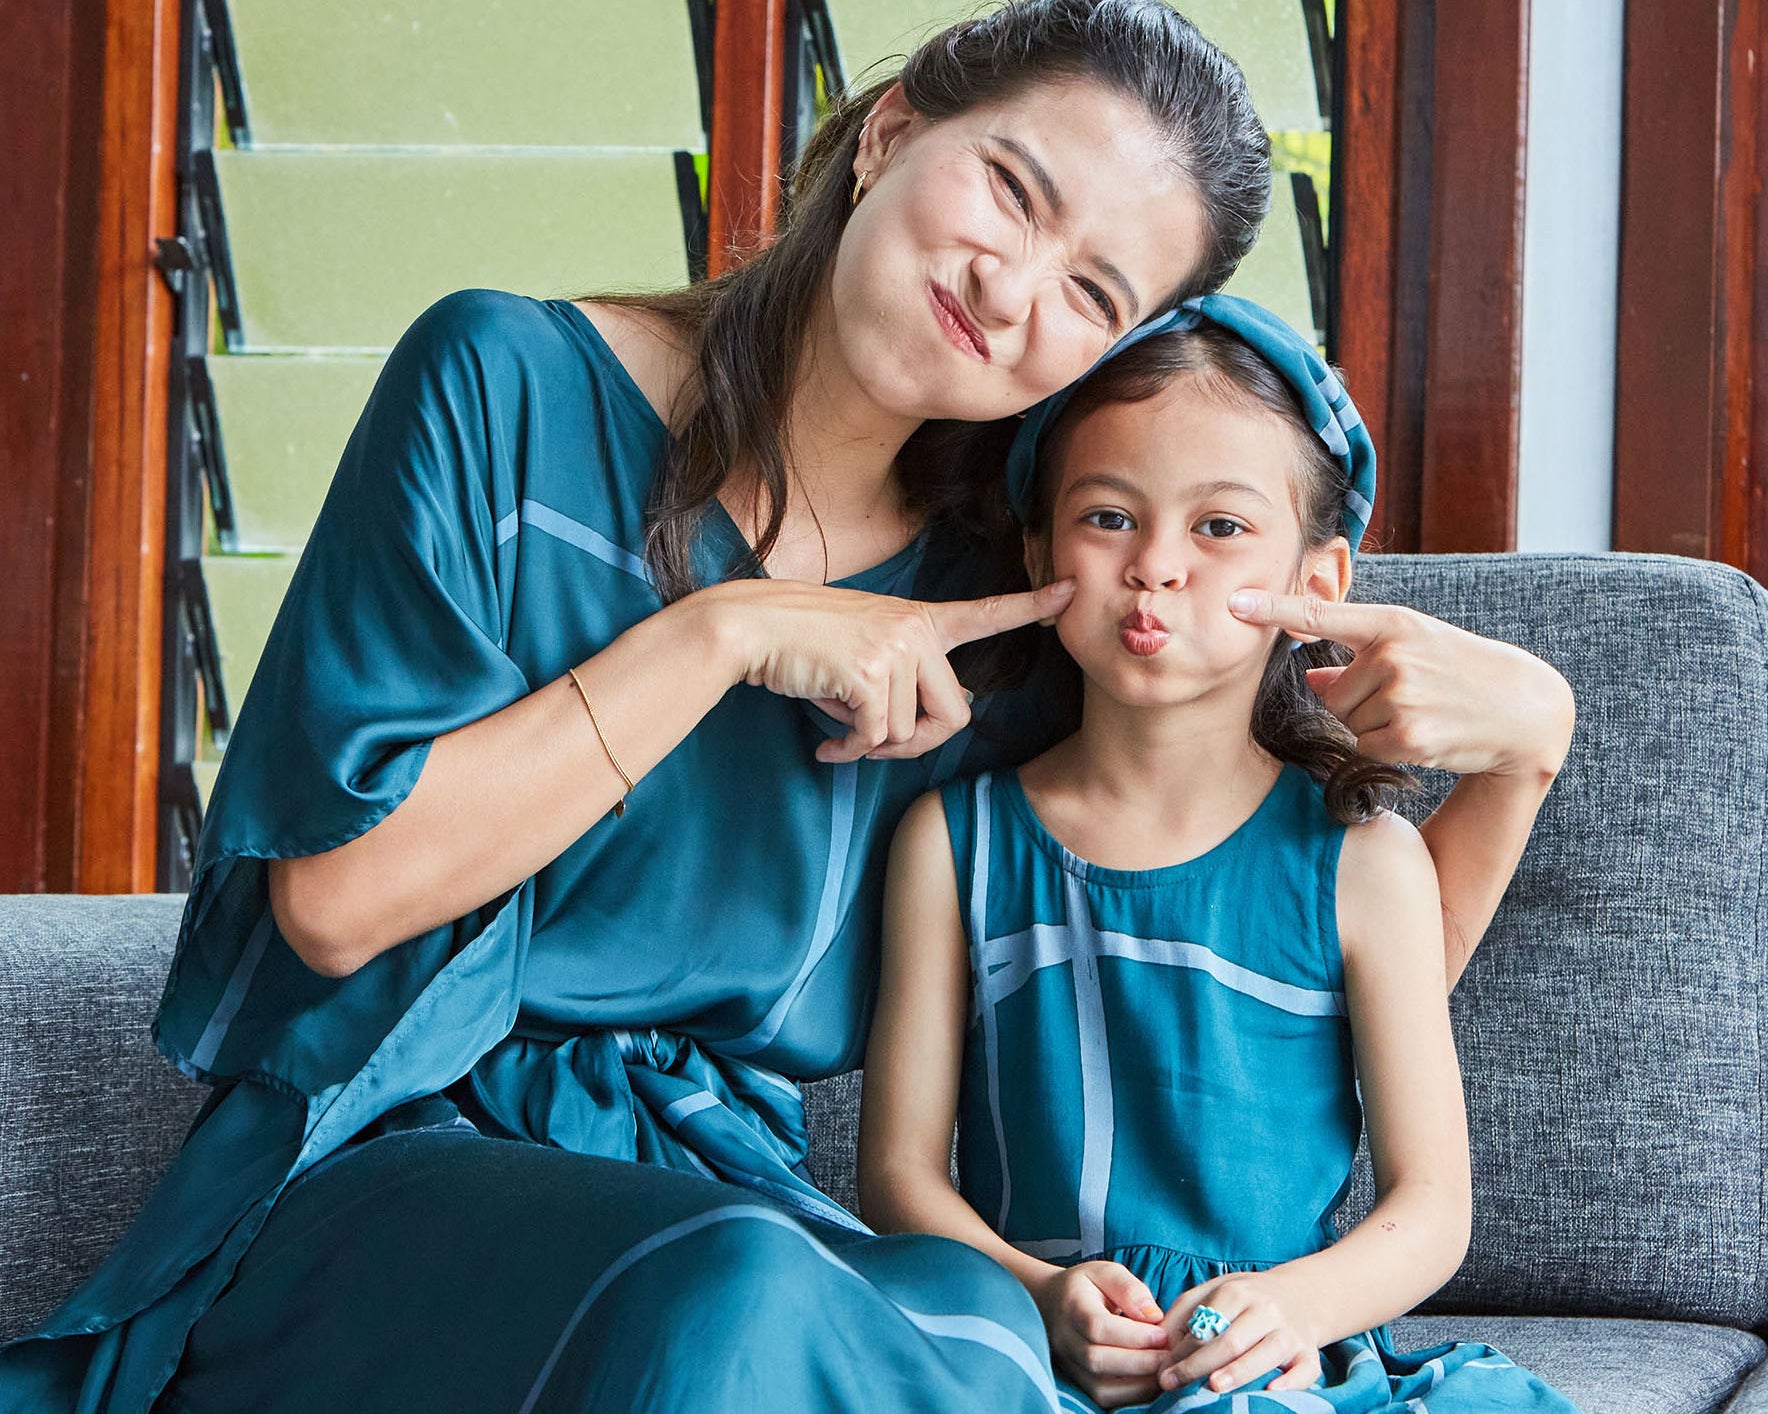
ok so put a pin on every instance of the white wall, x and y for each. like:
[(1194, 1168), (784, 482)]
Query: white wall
[(1571, 235)]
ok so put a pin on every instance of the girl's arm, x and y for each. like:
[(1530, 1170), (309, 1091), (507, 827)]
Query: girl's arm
[(1416, 1235), (910, 1105)]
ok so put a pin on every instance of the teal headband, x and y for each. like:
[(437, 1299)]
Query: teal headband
[(1328, 407)]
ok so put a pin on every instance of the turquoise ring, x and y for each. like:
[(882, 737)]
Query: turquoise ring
[(1207, 1323)]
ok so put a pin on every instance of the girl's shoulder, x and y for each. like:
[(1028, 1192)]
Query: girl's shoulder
[(1387, 887)]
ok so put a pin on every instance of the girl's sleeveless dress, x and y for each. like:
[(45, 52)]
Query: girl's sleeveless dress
[(1158, 1072), (549, 1156)]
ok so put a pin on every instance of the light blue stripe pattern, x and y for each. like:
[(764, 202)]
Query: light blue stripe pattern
[(991, 1039), (1045, 944), (977, 1330), (844, 789), (575, 532), (674, 1114), (1098, 1106), (208, 1045)]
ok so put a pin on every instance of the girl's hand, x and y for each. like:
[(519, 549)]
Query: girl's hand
[(1425, 693), (873, 661), (1105, 1332), (1268, 1330)]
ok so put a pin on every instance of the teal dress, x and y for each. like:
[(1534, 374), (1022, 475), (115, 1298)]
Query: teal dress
[(1158, 1072), (548, 1156)]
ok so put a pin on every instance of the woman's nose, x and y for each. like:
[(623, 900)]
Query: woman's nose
[(1004, 289)]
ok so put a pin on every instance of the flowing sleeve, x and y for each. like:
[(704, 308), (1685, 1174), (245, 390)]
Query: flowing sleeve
[(391, 634)]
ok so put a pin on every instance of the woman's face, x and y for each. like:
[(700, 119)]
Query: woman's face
[(1164, 508), (997, 253)]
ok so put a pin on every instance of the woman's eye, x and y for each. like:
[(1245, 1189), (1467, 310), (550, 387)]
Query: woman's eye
[(1221, 528), (1108, 520), (1014, 186), (1100, 298)]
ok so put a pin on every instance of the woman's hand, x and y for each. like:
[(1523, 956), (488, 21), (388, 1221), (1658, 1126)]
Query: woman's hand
[(1105, 1332), (1425, 693), (875, 662), (1268, 1330)]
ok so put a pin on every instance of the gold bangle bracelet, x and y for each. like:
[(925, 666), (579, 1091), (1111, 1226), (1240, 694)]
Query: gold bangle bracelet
[(620, 804)]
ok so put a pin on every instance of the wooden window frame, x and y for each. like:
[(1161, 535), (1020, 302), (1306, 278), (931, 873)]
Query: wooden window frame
[(83, 413), (1691, 367), (1428, 241), (1426, 265)]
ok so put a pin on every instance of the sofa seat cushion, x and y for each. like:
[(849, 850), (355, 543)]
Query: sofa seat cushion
[(1609, 1366)]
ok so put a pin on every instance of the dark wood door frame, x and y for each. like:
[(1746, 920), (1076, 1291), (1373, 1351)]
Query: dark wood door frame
[(1427, 234), (50, 54), (1691, 370), (748, 124), (82, 415)]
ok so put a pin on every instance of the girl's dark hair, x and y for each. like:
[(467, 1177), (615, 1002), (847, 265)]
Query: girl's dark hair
[(1288, 719), (746, 326)]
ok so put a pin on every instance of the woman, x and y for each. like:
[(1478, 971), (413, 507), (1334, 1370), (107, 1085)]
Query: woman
[(445, 996)]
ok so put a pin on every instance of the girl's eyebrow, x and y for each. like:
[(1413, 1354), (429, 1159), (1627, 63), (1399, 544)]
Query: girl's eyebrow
[(1105, 481), (1222, 488), (1052, 194)]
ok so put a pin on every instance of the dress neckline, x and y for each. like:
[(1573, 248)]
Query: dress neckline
[(1157, 877), (878, 578)]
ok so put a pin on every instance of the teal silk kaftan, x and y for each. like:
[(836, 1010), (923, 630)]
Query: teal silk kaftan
[(410, 1188)]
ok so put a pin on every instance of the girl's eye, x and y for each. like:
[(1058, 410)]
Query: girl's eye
[(1108, 520), (1221, 528), (1014, 186)]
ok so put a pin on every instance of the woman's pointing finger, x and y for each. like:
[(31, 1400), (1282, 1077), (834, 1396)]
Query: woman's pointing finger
[(965, 620), (1307, 618)]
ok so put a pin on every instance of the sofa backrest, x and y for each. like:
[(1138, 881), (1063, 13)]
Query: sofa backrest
[(1612, 1026)]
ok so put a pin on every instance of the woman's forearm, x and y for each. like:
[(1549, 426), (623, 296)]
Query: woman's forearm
[(1476, 837), (501, 797)]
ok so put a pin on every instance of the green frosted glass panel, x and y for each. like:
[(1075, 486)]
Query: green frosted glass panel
[(612, 73), (869, 30), (342, 250), (245, 592), (205, 773), (1268, 38), (284, 422), (1275, 272)]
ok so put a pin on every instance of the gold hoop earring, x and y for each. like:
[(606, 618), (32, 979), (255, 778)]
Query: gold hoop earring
[(859, 186)]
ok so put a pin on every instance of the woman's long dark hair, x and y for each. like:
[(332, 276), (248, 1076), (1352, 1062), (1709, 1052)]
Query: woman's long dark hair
[(746, 327), (1288, 719)]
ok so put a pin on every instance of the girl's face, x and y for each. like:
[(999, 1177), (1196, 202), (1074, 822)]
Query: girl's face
[(997, 253), (1164, 508)]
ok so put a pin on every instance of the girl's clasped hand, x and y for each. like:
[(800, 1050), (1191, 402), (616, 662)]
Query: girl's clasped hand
[(1112, 1340)]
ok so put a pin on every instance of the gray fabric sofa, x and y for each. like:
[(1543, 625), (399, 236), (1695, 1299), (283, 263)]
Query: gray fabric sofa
[(1612, 1029)]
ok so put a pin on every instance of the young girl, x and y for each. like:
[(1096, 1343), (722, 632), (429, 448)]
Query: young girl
[(1150, 969)]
